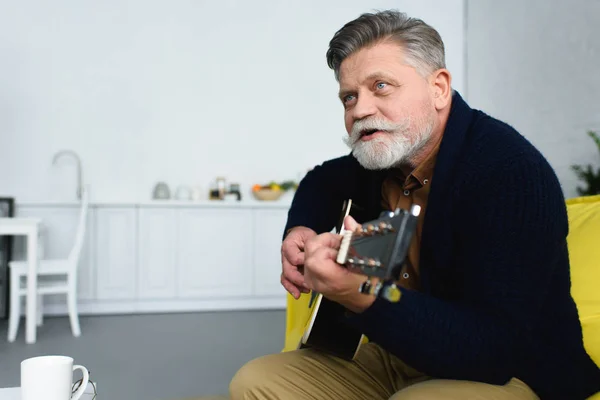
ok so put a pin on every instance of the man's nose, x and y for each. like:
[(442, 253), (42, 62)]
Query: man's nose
[(364, 107)]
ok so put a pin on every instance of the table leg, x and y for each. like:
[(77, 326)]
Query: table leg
[(32, 260)]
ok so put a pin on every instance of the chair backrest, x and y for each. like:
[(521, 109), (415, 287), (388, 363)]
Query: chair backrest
[(75, 252)]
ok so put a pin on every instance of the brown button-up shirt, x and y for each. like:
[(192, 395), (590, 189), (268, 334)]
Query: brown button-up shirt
[(401, 189)]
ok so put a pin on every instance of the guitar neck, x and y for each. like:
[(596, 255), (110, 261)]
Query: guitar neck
[(347, 208)]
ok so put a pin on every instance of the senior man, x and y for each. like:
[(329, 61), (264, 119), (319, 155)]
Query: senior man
[(485, 310)]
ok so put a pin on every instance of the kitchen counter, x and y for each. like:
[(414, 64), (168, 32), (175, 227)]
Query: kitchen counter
[(168, 256), (284, 202)]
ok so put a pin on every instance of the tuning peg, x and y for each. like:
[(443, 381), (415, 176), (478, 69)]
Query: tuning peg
[(385, 227), (371, 262), (389, 214), (357, 261)]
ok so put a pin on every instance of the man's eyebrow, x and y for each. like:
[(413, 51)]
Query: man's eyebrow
[(380, 75)]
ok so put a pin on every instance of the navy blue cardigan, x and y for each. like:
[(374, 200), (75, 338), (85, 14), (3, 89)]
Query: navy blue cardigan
[(496, 299)]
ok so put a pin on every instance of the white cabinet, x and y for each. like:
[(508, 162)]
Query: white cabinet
[(214, 253), (268, 233), (157, 240), (116, 253), (169, 256)]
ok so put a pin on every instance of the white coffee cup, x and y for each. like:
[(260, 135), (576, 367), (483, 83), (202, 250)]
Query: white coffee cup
[(50, 378)]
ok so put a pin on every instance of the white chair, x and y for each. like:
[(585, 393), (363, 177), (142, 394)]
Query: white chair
[(55, 268)]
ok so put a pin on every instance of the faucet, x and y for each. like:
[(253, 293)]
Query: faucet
[(78, 160)]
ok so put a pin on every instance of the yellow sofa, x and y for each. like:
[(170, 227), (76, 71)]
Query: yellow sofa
[(584, 251)]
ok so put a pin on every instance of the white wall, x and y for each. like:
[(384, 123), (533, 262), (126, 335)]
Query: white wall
[(535, 64), (181, 91)]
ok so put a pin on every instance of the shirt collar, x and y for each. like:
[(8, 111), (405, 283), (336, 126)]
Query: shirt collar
[(422, 173)]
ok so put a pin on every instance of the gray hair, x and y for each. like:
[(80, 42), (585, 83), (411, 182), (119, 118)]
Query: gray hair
[(422, 44)]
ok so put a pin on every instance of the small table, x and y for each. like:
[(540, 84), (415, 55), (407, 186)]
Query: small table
[(29, 227), (15, 393)]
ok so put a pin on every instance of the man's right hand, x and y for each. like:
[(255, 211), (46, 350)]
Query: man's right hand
[(292, 259)]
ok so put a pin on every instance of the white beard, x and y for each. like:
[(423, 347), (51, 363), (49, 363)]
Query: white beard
[(391, 149)]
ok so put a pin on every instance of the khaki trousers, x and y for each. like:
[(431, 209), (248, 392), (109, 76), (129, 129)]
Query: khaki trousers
[(373, 375)]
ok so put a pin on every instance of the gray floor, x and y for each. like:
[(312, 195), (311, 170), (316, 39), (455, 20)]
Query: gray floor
[(153, 357)]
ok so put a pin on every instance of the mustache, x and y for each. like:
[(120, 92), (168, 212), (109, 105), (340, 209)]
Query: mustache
[(375, 124)]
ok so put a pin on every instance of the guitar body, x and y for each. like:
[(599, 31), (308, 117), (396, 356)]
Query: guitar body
[(378, 250), (325, 330)]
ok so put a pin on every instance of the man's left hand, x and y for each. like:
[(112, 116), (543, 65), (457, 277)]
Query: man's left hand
[(324, 275)]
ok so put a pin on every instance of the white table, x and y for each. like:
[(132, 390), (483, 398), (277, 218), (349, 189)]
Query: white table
[(29, 227), (15, 393)]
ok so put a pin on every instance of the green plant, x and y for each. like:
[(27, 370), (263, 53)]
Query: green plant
[(587, 173)]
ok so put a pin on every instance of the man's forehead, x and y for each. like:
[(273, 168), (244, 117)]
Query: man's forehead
[(377, 61)]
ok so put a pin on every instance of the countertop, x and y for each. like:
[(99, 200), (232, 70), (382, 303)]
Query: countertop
[(283, 203)]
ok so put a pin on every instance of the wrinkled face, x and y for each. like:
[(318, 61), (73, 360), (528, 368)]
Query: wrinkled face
[(388, 107)]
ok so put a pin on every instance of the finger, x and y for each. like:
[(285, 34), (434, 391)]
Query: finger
[(350, 223), (291, 273), (292, 251), (294, 274), (290, 287), (330, 240), (321, 263), (325, 254), (322, 272)]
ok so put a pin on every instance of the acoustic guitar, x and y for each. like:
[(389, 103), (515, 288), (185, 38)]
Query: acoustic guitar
[(377, 249)]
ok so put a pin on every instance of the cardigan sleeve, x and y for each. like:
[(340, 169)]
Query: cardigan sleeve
[(514, 232), (320, 194)]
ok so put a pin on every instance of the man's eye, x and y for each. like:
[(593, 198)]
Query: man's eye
[(348, 98), (381, 85)]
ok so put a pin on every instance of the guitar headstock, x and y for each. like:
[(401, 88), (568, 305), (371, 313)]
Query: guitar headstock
[(378, 248)]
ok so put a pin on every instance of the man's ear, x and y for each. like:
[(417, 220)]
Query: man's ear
[(440, 85)]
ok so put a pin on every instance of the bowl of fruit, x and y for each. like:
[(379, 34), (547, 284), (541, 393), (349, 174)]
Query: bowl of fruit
[(272, 191)]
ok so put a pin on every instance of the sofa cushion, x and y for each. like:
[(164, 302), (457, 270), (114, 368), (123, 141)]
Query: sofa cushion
[(584, 253)]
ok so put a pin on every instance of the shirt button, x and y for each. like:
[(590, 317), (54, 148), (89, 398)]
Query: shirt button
[(425, 181), (405, 275), (406, 192)]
